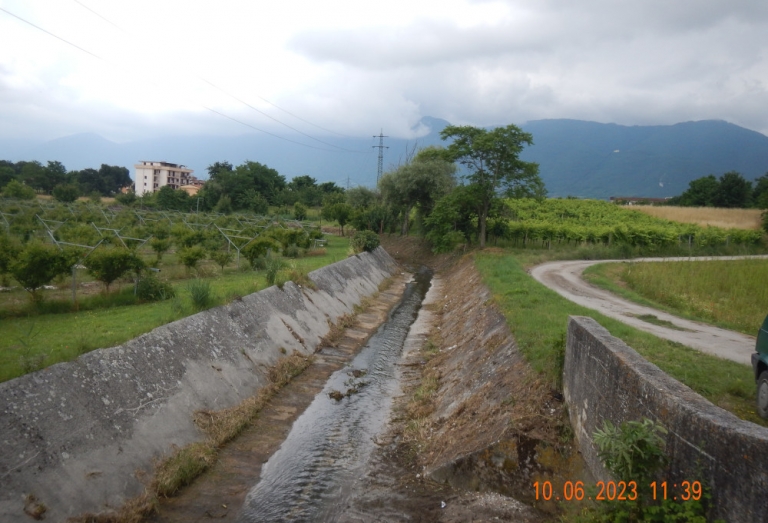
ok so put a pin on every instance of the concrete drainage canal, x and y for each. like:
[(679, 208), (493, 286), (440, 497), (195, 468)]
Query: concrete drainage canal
[(311, 475)]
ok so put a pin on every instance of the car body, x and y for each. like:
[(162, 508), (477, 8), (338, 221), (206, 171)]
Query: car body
[(760, 368)]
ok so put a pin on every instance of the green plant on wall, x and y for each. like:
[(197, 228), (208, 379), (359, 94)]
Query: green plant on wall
[(634, 452)]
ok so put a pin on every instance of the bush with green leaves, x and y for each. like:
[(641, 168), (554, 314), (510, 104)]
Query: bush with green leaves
[(364, 241), (66, 192), (110, 263), (299, 211), (16, 189), (259, 248), (152, 288)]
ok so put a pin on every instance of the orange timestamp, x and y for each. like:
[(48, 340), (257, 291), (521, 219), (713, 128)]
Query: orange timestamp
[(617, 491)]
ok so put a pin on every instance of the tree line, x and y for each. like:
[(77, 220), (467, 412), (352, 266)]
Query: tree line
[(24, 180), (731, 190)]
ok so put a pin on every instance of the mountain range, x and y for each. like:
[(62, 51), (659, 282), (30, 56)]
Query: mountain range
[(575, 157)]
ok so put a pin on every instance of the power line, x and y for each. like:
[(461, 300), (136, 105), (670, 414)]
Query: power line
[(51, 34), (381, 148), (242, 101), (204, 106)]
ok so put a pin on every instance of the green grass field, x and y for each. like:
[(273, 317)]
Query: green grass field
[(538, 318), (731, 294), (32, 341)]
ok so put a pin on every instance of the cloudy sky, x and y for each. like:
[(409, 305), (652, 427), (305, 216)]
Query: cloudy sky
[(139, 68)]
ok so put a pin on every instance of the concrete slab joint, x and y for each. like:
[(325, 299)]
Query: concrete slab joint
[(73, 435), (604, 379)]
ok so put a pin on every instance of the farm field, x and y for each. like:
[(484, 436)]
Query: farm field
[(52, 327), (730, 294), (39, 340), (556, 222), (706, 216)]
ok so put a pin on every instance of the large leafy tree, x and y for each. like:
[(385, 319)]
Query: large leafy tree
[(419, 183), (700, 193), (492, 159), (733, 191)]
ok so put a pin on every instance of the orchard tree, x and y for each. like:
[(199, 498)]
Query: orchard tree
[(109, 264), (37, 265), (493, 161)]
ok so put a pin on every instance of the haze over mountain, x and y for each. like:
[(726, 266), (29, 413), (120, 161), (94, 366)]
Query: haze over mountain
[(578, 158)]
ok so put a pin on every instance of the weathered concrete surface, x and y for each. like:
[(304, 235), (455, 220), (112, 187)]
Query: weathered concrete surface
[(75, 434), (607, 380)]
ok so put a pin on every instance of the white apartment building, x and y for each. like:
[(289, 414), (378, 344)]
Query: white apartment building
[(150, 176)]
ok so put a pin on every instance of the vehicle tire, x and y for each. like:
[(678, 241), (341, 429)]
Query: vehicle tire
[(762, 395)]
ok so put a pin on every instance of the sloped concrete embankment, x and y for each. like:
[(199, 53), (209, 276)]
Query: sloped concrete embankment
[(607, 380), (78, 435)]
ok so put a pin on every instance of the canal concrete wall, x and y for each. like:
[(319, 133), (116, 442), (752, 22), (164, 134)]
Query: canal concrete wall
[(604, 379), (79, 436)]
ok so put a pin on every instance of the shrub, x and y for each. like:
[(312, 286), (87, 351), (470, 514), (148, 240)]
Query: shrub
[(66, 193), (259, 248), (299, 211), (364, 241), (16, 189), (151, 288)]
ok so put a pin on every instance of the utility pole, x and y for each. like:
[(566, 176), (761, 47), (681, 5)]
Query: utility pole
[(381, 148)]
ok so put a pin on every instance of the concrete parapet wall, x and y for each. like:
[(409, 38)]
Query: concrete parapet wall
[(75, 434), (607, 380)]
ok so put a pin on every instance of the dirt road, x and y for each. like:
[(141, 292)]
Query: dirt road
[(564, 277)]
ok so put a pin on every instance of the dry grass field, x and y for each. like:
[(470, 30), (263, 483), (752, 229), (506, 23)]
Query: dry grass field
[(718, 217)]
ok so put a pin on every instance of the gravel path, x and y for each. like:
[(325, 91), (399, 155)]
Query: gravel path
[(564, 277)]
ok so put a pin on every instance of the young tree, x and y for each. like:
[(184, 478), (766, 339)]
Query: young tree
[(341, 212), (190, 256), (107, 265), (37, 265), (493, 160), (160, 246), (222, 258), (299, 211)]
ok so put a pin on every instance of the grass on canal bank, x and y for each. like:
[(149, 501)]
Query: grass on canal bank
[(537, 317)]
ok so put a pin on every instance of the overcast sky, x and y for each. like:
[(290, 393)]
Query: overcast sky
[(352, 67)]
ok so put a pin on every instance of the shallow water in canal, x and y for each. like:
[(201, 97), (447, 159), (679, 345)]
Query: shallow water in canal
[(311, 476)]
